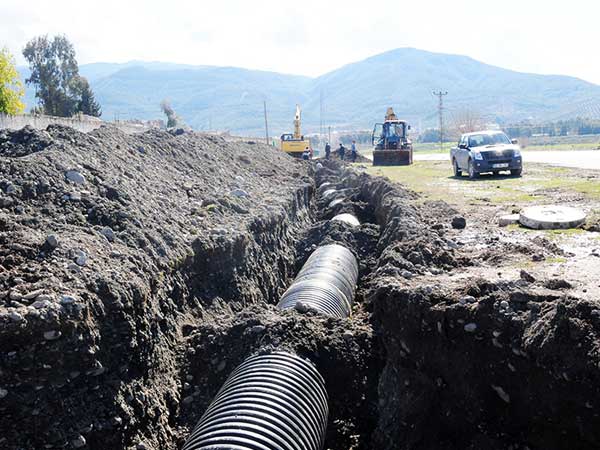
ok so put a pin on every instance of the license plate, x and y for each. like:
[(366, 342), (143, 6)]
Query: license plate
[(499, 166)]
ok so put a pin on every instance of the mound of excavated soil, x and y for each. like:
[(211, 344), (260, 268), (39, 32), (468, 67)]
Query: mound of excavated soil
[(109, 245)]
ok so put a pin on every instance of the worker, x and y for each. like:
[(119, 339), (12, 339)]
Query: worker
[(342, 151), (353, 151), (327, 150), (306, 154)]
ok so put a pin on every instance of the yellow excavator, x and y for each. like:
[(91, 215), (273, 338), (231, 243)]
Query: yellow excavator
[(295, 144)]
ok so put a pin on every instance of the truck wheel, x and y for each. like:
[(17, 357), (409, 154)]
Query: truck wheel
[(516, 172), (472, 172), (457, 171)]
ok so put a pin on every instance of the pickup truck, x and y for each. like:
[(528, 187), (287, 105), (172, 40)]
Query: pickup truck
[(486, 151)]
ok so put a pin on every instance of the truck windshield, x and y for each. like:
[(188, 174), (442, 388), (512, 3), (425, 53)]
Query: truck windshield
[(478, 140)]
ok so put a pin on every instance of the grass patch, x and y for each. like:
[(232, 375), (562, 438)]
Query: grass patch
[(516, 197), (556, 260), (563, 146), (431, 147), (588, 187), (435, 181), (568, 232)]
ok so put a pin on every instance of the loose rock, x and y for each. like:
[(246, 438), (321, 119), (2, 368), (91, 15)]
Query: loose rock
[(509, 219), (459, 223), (81, 258), (470, 327), (15, 316), (108, 233), (75, 177), (526, 276), (52, 241), (78, 442), (240, 193), (52, 335)]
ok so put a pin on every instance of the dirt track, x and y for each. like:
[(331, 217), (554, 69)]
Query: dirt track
[(171, 252)]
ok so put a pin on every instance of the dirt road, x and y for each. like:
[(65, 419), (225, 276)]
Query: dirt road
[(585, 159)]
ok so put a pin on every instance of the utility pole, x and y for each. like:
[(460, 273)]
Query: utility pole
[(266, 123), (329, 134), (441, 95)]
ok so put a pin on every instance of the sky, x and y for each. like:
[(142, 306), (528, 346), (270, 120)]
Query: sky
[(313, 37)]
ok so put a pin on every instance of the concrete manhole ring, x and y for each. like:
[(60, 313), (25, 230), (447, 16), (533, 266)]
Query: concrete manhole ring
[(551, 217)]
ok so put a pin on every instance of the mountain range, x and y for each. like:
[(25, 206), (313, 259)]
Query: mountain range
[(350, 98)]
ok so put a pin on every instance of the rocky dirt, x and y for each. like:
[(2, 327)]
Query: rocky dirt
[(110, 246), (137, 271)]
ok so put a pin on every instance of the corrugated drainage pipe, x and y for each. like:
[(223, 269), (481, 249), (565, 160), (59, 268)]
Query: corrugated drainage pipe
[(275, 401), (350, 219), (326, 283), (329, 193)]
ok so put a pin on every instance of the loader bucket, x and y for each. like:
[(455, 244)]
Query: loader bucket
[(392, 157)]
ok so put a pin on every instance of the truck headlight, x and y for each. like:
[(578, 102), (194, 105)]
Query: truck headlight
[(517, 153), (477, 156)]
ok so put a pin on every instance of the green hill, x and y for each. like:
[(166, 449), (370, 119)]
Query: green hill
[(354, 96)]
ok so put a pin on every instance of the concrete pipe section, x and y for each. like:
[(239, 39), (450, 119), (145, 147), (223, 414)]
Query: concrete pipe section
[(275, 401), (350, 219), (326, 283), (552, 217)]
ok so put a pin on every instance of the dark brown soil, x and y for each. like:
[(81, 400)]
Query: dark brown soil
[(168, 254)]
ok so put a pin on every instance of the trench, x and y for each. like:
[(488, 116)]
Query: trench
[(345, 351), (407, 370), (402, 372)]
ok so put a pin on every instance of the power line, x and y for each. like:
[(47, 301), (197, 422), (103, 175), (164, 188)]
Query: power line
[(441, 95)]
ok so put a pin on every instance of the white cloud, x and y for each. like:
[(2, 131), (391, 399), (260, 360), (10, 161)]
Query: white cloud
[(312, 37)]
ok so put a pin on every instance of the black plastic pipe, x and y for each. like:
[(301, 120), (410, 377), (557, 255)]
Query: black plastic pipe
[(326, 283), (274, 401), (349, 219)]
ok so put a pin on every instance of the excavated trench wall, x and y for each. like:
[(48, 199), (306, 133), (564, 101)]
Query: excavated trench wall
[(126, 348), (100, 368), (487, 365)]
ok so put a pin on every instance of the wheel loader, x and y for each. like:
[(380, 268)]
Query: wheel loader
[(391, 146)]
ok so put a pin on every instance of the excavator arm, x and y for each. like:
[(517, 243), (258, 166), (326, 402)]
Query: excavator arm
[(297, 123)]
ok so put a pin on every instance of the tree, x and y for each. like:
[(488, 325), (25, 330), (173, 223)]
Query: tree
[(55, 74), (430, 135), (172, 118), (11, 88), (88, 104), (467, 121)]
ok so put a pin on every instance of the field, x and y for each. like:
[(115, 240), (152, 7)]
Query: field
[(482, 201), (539, 184), (554, 143)]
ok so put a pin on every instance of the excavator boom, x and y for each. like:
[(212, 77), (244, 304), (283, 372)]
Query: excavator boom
[(294, 143), (297, 123)]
